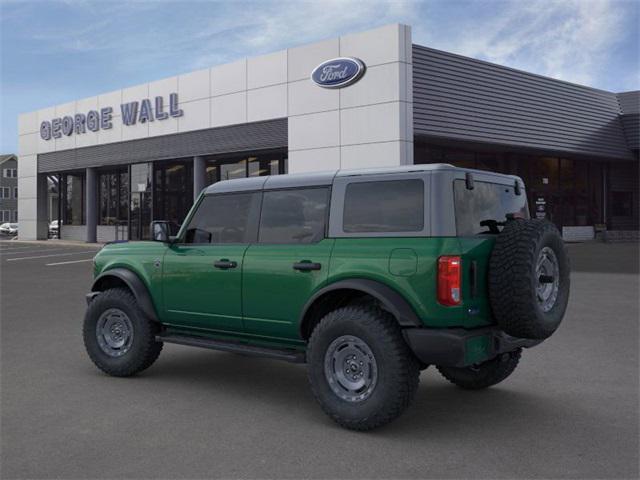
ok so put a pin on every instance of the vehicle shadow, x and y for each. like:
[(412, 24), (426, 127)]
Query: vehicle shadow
[(438, 408)]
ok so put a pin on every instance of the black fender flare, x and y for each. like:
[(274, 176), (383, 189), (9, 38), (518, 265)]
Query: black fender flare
[(135, 284), (390, 299)]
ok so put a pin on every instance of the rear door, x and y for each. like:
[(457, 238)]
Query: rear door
[(289, 262), (202, 275), (492, 198)]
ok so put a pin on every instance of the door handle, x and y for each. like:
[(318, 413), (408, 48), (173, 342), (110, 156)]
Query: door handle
[(306, 265), (225, 264)]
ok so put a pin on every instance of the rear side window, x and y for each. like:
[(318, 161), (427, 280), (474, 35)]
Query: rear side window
[(294, 216), (227, 218), (384, 206), (487, 201)]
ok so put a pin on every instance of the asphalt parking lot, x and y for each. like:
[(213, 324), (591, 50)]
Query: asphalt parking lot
[(569, 411)]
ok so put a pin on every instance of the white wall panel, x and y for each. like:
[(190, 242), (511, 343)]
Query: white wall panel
[(301, 161), (162, 88), (27, 229), (267, 70), (266, 103), (113, 134), (229, 78), (28, 144), (163, 127), (196, 116), (229, 109), (306, 97), (314, 130), (380, 84), (371, 123), (27, 166), (386, 154), (194, 85), (111, 99), (27, 187), (131, 132), (374, 47), (91, 103), (131, 94), (86, 139), (303, 59)]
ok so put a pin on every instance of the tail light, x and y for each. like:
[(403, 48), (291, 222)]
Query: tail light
[(449, 280)]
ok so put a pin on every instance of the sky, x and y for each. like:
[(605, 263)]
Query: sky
[(55, 51)]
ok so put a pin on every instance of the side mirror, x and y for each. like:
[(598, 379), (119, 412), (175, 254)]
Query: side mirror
[(164, 231)]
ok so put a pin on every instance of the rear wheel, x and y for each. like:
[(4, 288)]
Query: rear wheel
[(361, 371), (485, 374), (118, 337)]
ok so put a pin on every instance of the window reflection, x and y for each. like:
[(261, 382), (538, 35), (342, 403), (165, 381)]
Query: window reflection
[(242, 166), (73, 199)]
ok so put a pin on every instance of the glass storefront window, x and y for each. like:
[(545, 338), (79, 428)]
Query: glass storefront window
[(172, 190), (228, 168), (113, 195), (140, 201), (73, 191), (568, 192), (230, 171)]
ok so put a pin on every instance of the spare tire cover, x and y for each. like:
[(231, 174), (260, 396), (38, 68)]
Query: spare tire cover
[(529, 278)]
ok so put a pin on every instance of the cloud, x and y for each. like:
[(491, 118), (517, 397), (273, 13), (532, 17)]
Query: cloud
[(569, 40)]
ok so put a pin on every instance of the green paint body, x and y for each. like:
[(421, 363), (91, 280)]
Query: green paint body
[(262, 299)]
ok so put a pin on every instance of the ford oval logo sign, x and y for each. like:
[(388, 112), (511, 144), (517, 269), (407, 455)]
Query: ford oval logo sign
[(338, 72)]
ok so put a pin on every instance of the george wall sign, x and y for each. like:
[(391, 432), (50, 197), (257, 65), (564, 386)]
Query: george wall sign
[(338, 72), (94, 120)]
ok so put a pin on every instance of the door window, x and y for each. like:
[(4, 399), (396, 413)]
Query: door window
[(230, 218), (294, 216)]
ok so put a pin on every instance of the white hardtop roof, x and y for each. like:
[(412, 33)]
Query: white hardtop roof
[(326, 177)]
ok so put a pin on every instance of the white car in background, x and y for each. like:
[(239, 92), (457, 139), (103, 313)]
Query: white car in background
[(54, 229), (9, 228)]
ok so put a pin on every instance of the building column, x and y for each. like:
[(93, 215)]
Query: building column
[(91, 207), (42, 214), (199, 176)]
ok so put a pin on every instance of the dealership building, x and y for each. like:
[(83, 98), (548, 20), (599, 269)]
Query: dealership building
[(108, 165)]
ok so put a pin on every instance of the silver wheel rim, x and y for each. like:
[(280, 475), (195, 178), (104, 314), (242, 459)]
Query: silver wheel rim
[(350, 368), (548, 279), (114, 332)]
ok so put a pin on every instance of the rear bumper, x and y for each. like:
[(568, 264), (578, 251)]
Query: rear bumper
[(457, 347)]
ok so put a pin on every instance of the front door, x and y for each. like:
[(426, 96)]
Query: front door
[(202, 273), (289, 262)]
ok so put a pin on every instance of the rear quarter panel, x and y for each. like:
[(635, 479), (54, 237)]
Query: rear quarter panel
[(390, 261)]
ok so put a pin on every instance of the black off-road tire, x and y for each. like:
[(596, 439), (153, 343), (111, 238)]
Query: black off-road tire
[(484, 375), (513, 280), (143, 350), (397, 368)]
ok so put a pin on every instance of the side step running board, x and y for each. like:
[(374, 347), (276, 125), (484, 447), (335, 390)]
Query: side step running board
[(288, 355)]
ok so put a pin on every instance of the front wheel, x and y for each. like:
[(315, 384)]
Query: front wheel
[(361, 371), (118, 337), (485, 374)]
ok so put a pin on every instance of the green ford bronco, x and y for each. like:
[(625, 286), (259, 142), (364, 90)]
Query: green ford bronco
[(367, 276)]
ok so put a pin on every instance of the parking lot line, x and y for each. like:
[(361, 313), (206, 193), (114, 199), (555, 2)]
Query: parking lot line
[(44, 256), (19, 247), (39, 250), (70, 261)]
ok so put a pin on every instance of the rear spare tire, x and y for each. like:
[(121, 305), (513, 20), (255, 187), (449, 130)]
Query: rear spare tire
[(529, 278)]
